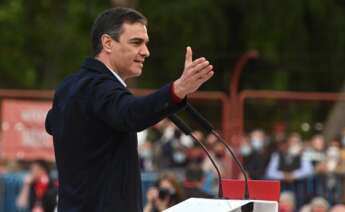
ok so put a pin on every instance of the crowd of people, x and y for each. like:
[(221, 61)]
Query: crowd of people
[(311, 171)]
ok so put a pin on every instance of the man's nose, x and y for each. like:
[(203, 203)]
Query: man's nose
[(144, 51)]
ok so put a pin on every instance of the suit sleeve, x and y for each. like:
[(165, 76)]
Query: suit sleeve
[(118, 108), (48, 124)]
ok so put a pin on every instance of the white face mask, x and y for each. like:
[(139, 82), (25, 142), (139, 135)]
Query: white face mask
[(146, 153), (186, 141), (332, 158), (245, 150), (257, 144), (333, 152), (168, 133), (295, 149)]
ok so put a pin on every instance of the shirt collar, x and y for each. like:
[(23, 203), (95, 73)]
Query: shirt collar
[(117, 76), (94, 64)]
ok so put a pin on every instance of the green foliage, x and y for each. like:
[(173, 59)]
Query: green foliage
[(43, 40), (175, 25), (301, 42)]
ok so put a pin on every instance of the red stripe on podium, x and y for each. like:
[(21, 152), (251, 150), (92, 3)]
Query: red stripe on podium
[(258, 189)]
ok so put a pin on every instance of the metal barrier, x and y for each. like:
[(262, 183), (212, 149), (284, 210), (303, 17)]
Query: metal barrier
[(329, 187), (147, 179), (10, 185)]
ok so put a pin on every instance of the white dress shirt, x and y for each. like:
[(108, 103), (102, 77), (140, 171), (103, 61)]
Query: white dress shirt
[(117, 76)]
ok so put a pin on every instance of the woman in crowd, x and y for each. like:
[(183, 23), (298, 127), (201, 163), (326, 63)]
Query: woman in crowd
[(165, 193)]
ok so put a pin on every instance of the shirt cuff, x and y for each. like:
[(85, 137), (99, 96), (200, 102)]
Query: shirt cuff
[(174, 98)]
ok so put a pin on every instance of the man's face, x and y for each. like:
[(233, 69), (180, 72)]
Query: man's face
[(129, 52), (36, 171)]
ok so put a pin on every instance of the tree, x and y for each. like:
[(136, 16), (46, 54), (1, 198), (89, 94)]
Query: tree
[(301, 42)]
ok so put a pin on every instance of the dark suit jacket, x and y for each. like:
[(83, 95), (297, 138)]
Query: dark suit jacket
[(94, 120)]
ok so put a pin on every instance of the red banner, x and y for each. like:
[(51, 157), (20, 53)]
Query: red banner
[(23, 134)]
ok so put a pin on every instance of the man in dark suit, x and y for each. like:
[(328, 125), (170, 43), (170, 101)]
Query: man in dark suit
[(94, 118)]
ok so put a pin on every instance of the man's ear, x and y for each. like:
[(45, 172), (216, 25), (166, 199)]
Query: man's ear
[(107, 43)]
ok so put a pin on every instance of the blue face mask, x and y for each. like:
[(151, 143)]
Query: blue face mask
[(179, 157), (146, 153), (245, 150)]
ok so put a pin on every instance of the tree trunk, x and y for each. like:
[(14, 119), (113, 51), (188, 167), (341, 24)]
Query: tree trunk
[(336, 120)]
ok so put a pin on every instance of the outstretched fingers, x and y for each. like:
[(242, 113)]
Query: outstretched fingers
[(203, 78), (196, 66), (189, 56), (204, 73), (195, 73)]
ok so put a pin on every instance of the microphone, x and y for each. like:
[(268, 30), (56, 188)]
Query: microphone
[(209, 128), (188, 131)]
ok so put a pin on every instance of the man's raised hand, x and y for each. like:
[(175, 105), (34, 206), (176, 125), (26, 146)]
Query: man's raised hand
[(195, 73)]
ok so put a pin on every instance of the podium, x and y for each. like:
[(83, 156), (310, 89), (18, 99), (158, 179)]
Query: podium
[(219, 205), (263, 197)]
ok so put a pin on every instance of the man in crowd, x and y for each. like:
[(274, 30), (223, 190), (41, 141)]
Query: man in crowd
[(38, 192), (192, 185)]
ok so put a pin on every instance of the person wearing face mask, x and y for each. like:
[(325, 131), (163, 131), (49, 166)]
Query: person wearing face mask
[(336, 170), (178, 156), (287, 163), (166, 192), (316, 154), (257, 140), (257, 156), (332, 185), (245, 149)]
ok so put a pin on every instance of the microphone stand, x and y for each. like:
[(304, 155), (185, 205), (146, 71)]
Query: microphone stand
[(208, 127), (188, 131)]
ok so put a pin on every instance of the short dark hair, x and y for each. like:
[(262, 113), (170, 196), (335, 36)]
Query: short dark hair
[(43, 164), (194, 173), (110, 22)]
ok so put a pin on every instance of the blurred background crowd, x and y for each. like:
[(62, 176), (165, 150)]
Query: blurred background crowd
[(311, 170)]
